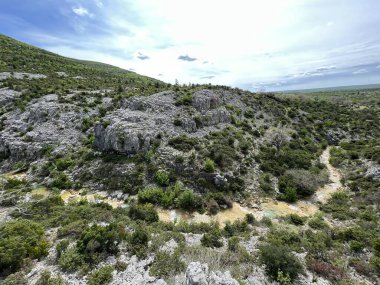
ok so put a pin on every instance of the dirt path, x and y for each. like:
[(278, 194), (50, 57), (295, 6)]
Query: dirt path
[(270, 208)]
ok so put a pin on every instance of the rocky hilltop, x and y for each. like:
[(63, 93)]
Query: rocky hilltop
[(110, 177)]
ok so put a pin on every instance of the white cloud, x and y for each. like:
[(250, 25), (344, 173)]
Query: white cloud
[(256, 41), (360, 71), (99, 3), (81, 11)]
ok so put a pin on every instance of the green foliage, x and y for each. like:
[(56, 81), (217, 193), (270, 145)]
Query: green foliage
[(212, 239), (279, 258), (317, 223), (209, 166), (47, 279), (100, 240), (162, 177), (183, 143), (233, 243), (101, 276), (296, 219), (166, 265), (61, 181), (20, 239), (138, 242), (145, 212), (188, 200), (71, 260), (63, 163), (17, 278)]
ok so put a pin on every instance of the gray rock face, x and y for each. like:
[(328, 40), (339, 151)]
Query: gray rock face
[(205, 100), (135, 126), (44, 122), (8, 96), (21, 75), (198, 274)]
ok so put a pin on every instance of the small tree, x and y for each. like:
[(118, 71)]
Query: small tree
[(209, 166)]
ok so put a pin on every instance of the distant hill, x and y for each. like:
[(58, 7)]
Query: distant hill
[(17, 56), (337, 88)]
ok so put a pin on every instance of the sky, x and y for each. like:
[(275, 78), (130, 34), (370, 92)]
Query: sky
[(255, 45)]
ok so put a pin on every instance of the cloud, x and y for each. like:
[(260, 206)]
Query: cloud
[(360, 71), (81, 11), (303, 44), (378, 66), (99, 3), (186, 58), (142, 56)]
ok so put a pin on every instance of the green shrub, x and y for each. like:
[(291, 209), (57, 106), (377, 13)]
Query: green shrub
[(295, 219), (20, 239), (61, 247), (145, 212), (151, 195), (279, 258), (61, 181), (250, 219), (209, 166), (101, 276), (188, 200), (233, 243), (71, 260), (17, 278), (183, 143), (317, 223), (47, 279), (356, 246), (212, 239), (162, 177), (100, 240), (166, 264), (376, 246), (138, 242), (63, 163)]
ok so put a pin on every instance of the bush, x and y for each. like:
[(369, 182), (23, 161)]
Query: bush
[(279, 258), (17, 278), (144, 212), (71, 260), (209, 166), (325, 269), (138, 242), (61, 181), (188, 200), (166, 265), (233, 243), (100, 276), (183, 143), (162, 178), (250, 219), (46, 279), (62, 163), (317, 223), (99, 240), (295, 219), (212, 239), (356, 246), (20, 239)]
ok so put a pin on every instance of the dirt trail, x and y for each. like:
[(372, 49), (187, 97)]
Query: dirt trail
[(270, 208)]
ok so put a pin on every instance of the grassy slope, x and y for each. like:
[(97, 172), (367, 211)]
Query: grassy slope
[(18, 56)]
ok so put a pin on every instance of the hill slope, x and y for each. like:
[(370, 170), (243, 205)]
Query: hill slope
[(109, 176)]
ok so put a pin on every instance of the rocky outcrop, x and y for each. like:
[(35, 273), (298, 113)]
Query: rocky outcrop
[(44, 122), (21, 75), (136, 126), (198, 274), (8, 96)]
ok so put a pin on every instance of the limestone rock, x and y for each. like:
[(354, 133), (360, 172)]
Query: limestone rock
[(198, 274)]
